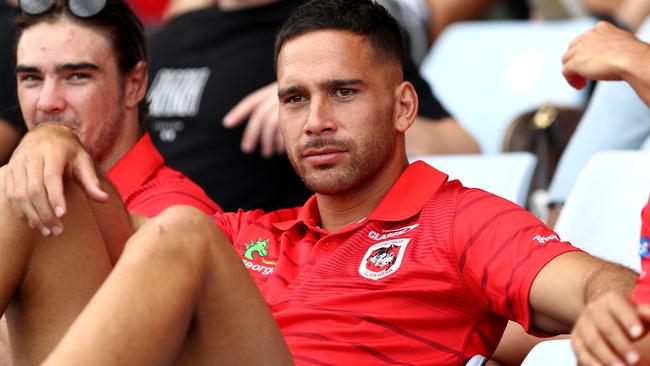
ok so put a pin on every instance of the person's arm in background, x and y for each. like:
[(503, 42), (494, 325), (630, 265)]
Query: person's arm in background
[(9, 137), (442, 13), (177, 7), (608, 53), (630, 13)]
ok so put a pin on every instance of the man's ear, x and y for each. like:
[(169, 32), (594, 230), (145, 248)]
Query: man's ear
[(135, 85), (406, 101)]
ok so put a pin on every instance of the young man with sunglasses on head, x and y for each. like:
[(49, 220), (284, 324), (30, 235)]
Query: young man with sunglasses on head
[(82, 74), (389, 263)]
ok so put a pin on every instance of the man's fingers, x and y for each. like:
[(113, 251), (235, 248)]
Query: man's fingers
[(268, 113), (279, 143), (246, 106), (585, 358), (84, 172), (594, 343), (18, 197), (38, 196), (9, 191), (252, 133)]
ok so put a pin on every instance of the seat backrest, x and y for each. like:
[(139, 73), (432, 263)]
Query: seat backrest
[(602, 214), (507, 175), (487, 73)]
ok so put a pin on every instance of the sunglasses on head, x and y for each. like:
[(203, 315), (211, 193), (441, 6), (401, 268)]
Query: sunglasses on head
[(79, 8)]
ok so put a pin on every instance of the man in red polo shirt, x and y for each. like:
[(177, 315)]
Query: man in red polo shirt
[(614, 329), (389, 263), (81, 78)]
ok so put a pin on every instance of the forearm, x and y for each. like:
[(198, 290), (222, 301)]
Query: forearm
[(637, 73), (605, 278), (578, 279), (113, 220)]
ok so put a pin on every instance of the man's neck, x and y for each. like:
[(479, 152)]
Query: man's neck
[(129, 136), (230, 5), (337, 211)]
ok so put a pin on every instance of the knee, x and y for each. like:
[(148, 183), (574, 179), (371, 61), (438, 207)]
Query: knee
[(181, 236)]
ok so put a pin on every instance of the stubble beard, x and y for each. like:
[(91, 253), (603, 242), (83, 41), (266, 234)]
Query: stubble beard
[(366, 159)]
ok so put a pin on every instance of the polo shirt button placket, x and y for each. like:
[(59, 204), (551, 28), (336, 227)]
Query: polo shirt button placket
[(327, 245)]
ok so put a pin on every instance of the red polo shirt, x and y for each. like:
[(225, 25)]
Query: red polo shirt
[(428, 278), (147, 186), (641, 293)]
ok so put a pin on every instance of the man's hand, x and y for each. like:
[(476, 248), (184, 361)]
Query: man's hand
[(602, 53), (261, 108), (605, 332), (34, 177)]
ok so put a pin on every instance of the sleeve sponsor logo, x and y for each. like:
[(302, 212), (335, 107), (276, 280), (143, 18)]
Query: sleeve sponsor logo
[(545, 239), (383, 259)]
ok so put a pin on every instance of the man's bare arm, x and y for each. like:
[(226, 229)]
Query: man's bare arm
[(9, 137), (608, 53), (444, 136), (34, 179)]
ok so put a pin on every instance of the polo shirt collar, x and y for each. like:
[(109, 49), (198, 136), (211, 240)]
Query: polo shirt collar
[(415, 186), (136, 167)]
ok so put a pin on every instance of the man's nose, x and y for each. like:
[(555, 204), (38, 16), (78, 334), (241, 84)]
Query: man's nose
[(50, 99), (320, 119)]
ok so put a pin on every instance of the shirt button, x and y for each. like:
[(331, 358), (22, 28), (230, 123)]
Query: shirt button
[(327, 245)]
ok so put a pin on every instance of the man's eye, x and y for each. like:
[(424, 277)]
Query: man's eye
[(29, 78), (344, 93), (296, 99), (78, 76)]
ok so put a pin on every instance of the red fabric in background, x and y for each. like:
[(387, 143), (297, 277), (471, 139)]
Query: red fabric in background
[(149, 11)]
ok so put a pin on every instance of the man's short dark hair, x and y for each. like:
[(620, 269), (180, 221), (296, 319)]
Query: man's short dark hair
[(117, 21), (362, 17)]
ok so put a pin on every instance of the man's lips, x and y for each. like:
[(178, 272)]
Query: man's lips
[(325, 155)]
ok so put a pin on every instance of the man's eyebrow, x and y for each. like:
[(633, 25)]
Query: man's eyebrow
[(342, 82), (59, 68), (27, 69), (335, 83), (76, 67), (288, 90)]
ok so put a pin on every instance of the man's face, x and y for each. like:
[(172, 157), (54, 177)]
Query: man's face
[(67, 74), (337, 106)]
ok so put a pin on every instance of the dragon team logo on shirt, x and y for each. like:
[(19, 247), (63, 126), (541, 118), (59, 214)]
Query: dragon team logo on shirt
[(258, 248), (383, 259)]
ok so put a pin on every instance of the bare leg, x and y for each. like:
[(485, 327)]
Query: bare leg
[(179, 294), (45, 282)]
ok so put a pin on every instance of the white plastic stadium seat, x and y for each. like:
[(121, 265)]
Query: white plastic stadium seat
[(602, 214), (555, 352), (507, 175), (486, 73)]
